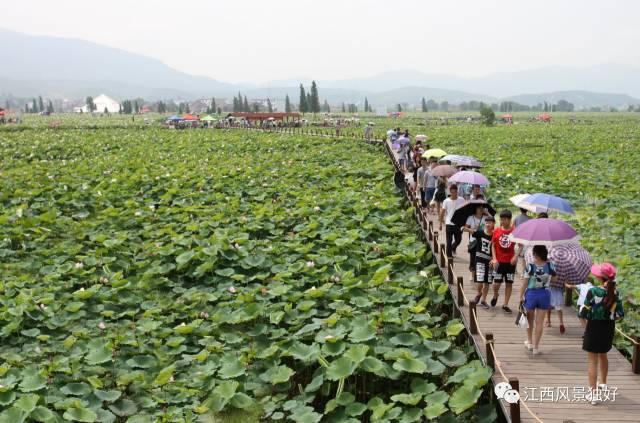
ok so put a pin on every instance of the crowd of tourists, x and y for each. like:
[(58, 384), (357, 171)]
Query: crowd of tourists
[(496, 260)]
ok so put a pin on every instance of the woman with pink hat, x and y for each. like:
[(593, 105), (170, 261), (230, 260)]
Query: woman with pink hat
[(602, 308)]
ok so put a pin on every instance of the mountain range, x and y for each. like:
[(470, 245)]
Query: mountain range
[(70, 68)]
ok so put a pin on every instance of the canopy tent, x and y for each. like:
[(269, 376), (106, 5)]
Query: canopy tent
[(1, 111), (544, 117), (265, 116), (208, 118), (190, 117), (174, 118), (507, 116)]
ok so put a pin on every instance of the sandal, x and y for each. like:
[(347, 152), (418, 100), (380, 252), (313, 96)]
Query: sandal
[(562, 329), (547, 324)]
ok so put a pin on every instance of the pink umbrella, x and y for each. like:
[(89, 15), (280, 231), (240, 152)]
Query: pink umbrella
[(444, 170), (468, 177)]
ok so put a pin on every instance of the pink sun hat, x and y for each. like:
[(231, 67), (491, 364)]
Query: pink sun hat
[(604, 270)]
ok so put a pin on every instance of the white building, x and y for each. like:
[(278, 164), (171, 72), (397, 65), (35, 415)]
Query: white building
[(101, 103)]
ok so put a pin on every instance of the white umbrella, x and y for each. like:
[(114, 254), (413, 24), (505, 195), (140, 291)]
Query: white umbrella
[(520, 201)]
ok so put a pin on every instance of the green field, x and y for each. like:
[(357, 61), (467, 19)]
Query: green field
[(181, 275), (213, 275)]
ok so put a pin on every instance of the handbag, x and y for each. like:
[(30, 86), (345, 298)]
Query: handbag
[(472, 245), (521, 319)]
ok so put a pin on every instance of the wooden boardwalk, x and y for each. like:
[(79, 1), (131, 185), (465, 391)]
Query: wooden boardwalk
[(560, 368)]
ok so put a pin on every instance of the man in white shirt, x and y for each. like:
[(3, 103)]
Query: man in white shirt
[(422, 178), (449, 206)]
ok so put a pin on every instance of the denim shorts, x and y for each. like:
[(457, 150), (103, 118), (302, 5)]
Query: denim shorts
[(537, 298), (428, 196)]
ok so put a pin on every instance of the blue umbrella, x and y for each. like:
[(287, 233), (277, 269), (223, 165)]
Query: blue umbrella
[(548, 201)]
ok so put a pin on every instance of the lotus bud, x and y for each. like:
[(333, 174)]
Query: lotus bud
[(310, 263), (101, 325), (104, 279), (79, 265), (232, 289)]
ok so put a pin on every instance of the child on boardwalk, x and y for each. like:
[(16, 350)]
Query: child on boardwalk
[(503, 253), (583, 289), (482, 259)]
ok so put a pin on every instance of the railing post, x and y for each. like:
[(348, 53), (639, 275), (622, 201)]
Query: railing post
[(435, 245), (442, 255), (450, 273), (460, 291), (430, 230), (514, 409), (635, 364), (473, 324), (491, 359), (568, 297)]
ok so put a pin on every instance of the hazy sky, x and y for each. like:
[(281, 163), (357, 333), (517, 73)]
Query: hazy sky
[(257, 40)]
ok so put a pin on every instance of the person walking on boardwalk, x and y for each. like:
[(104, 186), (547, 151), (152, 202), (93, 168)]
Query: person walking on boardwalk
[(583, 289), (602, 308), (536, 296), (422, 181), (432, 183), (449, 206), (482, 258), (503, 265), (474, 223), (519, 256), (440, 195)]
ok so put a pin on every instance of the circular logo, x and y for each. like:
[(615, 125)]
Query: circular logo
[(504, 241), (501, 388)]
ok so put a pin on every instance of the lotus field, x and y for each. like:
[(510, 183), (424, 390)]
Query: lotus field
[(214, 275), (182, 276)]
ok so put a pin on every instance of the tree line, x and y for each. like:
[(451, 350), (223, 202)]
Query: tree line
[(35, 106)]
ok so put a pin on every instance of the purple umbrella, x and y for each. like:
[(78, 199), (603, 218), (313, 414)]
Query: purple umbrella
[(468, 177), (572, 262), (547, 232), (457, 160)]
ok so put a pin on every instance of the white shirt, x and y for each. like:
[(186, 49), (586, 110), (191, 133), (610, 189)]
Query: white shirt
[(450, 207), (474, 223), (584, 289)]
